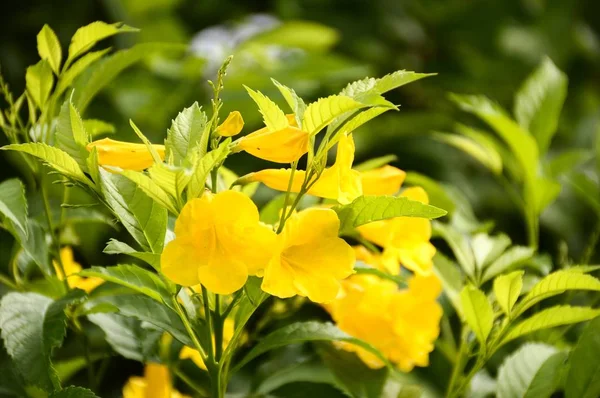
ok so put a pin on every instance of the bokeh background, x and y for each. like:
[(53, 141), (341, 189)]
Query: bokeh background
[(317, 47)]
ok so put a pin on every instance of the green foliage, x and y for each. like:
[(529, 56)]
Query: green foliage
[(582, 380), (184, 135), (204, 166), (115, 247), (548, 377), (39, 81), (151, 188), (507, 289), (73, 392), (367, 209), (273, 116), (321, 113), (49, 48), (13, 204), (86, 37), (478, 312), (71, 135)]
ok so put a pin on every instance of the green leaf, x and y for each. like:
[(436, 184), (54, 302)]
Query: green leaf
[(307, 35), (49, 48), (556, 283), (73, 392), (375, 163), (437, 194), (273, 116), (512, 258), (151, 188), (371, 86), (539, 102), (566, 162), (70, 135), (195, 188), (39, 81), (478, 312), (545, 192), (507, 289), (351, 123), (32, 326), (96, 127), (147, 310), (549, 318), (104, 72), (322, 112), (451, 277), (66, 79), (82, 215), (367, 209), (13, 204), (53, 157), (135, 278), (34, 244), (519, 369), (173, 180), (309, 371), (484, 155), (305, 331), (296, 103), (460, 245), (548, 377), (586, 189), (87, 36), (126, 335), (140, 215), (363, 268), (115, 247), (487, 248), (185, 133), (582, 375)]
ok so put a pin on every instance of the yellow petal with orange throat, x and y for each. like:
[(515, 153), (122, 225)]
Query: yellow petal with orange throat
[(126, 155)]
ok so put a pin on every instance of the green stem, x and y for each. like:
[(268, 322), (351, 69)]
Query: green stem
[(218, 328), (458, 364), (197, 388), (287, 197), (189, 329), (8, 282), (209, 327)]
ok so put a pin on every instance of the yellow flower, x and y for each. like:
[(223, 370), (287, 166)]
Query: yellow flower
[(232, 125), (310, 259), (219, 242), (126, 155), (407, 238), (282, 146), (337, 182), (156, 383), (194, 355), (384, 180), (385, 261), (73, 267), (401, 324)]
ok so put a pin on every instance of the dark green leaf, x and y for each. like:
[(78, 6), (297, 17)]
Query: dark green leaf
[(548, 377), (115, 247), (584, 367), (74, 392), (13, 204)]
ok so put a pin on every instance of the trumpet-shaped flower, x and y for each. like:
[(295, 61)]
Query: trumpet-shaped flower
[(232, 125), (219, 241), (405, 237), (194, 355), (337, 182), (386, 261), (71, 268), (310, 259), (384, 180), (401, 324), (156, 383), (126, 155), (281, 146)]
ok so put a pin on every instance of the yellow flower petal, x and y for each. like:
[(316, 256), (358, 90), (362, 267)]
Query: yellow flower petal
[(281, 146), (156, 383), (193, 354), (126, 155), (385, 180), (218, 242), (232, 125), (278, 179), (311, 259), (72, 267)]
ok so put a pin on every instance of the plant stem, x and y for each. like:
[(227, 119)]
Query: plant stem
[(287, 197), (197, 388), (463, 352), (209, 327), (8, 282), (188, 328), (218, 328)]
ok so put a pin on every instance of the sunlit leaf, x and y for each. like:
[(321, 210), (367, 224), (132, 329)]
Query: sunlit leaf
[(49, 48), (185, 133), (507, 289), (582, 376), (478, 312), (71, 135), (96, 127), (273, 116), (39, 81), (13, 204), (197, 183), (151, 188), (87, 36), (324, 111), (548, 377), (115, 247)]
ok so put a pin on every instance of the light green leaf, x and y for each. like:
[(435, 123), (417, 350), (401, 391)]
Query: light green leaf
[(566, 162), (512, 258), (153, 152), (549, 318), (49, 48), (556, 283), (494, 148), (87, 36), (82, 215), (372, 86), (39, 81), (582, 375), (53, 157), (96, 127), (296, 103), (66, 79), (104, 72), (367, 209), (478, 312), (126, 335), (305, 331), (185, 133), (519, 369), (548, 377), (437, 194), (375, 163), (70, 135), (135, 278), (363, 268), (539, 102), (115, 247), (451, 277), (322, 112), (487, 248), (353, 122), (507, 289), (34, 244), (32, 326), (545, 192), (151, 188), (92, 165), (484, 155), (195, 188), (13, 204), (307, 35), (173, 180), (273, 116), (460, 245), (73, 392), (140, 215), (146, 309)]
